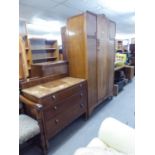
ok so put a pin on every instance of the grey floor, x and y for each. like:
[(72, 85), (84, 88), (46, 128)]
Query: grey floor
[(80, 132)]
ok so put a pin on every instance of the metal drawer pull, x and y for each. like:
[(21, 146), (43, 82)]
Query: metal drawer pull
[(56, 121), (81, 94), (81, 105), (53, 97), (81, 85), (55, 107)]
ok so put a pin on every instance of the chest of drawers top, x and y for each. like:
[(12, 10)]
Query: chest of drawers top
[(42, 90)]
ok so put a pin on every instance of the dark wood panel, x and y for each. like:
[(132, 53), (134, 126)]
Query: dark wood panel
[(129, 72), (56, 124), (51, 68), (39, 80), (92, 81), (111, 60), (60, 106), (102, 53), (111, 54), (101, 75), (63, 94), (115, 90)]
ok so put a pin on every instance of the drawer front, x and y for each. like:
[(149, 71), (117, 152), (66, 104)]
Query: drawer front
[(57, 123), (57, 97), (52, 110)]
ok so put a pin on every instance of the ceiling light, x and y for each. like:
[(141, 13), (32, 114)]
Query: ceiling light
[(119, 6), (45, 26), (36, 27)]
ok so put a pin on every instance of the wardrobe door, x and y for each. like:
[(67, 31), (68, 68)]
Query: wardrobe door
[(111, 67), (91, 20), (92, 84), (101, 57), (76, 46), (111, 55), (112, 30), (91, 24)]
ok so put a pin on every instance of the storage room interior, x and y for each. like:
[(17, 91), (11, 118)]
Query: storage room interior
[(76, 77)]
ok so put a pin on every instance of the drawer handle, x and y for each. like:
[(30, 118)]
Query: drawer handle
[(56, 121), (81, 94), (81, 105), (53, 97), (55, 107)]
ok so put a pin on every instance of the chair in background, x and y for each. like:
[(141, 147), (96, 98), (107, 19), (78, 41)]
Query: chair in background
[(31, 125)]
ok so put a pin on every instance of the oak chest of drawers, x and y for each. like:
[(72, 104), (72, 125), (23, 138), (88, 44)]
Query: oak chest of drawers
[(63, 101)]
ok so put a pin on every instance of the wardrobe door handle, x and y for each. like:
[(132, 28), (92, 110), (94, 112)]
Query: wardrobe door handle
[(55, 107), (80, 85), (56, 121), (81, 94), (98, 45), (81, 105), (53, 97)]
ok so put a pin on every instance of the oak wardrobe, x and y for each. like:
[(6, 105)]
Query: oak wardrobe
[(91, 47)]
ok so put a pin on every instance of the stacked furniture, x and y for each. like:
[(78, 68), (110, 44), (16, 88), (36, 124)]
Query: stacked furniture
[(23, 65), (90, 49), (26, 43), (38, 51), (122, 75), (132, 50), (44, 50), (49, 68)]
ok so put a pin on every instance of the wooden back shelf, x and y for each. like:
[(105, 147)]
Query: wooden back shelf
[(44, 50), (49, 68), (45, 72), (39, 80)]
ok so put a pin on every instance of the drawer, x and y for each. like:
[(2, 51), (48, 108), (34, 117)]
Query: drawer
[(57, 97), (56, 124), (63, 105)]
